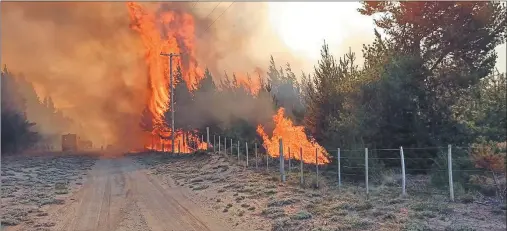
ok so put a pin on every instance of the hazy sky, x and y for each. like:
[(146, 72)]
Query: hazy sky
[(49, 41), (304, 25)]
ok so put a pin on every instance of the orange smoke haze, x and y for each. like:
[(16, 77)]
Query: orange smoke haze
[(293, 138), (101, 63), (84, 55)]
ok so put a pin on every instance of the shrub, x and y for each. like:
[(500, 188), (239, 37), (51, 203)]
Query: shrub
[(490, 156)]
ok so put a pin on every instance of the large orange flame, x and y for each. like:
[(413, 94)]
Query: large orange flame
[(174, 32), (184, 142), (252, 85), (293, 138), (166, 32)]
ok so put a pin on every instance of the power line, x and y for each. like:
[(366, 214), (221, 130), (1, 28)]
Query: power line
[(171, 55), (213, 10), (195, 3), (218, 17)]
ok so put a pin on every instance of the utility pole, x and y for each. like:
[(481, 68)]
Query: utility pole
[(171, 55)]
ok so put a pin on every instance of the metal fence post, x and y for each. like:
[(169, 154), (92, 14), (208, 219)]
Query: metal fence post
[(219, 139), (403, 179), (214, 143), (238, 151), (366, 170), (282, 162), (232, 149), (449, 164), (338, 156)]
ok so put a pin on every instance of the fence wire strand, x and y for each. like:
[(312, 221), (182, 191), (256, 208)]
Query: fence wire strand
[(420, 166)]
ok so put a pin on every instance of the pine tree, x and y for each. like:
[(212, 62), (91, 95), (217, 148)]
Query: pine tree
[(183, 104), (17, 132), (447, 47), (205, 100)]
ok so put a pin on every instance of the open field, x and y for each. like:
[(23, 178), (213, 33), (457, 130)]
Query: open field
[(210, 192), (117, 194), (31, 184), (256, 199)]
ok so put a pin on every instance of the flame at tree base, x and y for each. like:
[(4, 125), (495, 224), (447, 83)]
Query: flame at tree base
[(184, 142), (293, 138)]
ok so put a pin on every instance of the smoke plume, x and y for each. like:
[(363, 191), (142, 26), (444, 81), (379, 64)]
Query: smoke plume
[(87, 57)]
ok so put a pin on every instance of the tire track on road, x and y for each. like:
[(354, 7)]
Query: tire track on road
[(105, 207), (119, 194)]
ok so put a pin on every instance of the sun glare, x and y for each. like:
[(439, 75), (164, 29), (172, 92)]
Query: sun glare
[(303, 26)]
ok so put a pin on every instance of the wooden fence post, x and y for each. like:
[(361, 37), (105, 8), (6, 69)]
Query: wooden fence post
[(301, 164), (207, 139), (449, 164), (256, 160), (246, 149), (403, 177), (338, 156), (288, 149), (267, 161), (317, 166), (366, 171), (282, 161)]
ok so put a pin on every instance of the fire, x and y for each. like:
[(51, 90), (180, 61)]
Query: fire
[(174, 32), (293, 138), (251, 84), (176, 36), (178, 39), (185, 142)]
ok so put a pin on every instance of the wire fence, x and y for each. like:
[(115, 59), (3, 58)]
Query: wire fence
[(412, 170)]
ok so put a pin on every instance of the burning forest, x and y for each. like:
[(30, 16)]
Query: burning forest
[(419, 108), (180, 40), (242, 96)]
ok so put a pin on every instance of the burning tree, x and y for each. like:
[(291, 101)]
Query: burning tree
[(293, 138)]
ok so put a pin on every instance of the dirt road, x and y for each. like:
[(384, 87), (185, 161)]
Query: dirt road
[(119, 194)]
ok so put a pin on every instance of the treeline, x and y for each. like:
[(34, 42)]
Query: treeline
[(418, 83), (428, 82), (27, 121), (228, 107)]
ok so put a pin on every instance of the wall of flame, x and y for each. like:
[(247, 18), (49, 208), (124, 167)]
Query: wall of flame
[(174, 32), (294, 139)]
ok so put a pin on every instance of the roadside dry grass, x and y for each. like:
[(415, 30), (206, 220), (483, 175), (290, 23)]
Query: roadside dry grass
[(31, 183), (256, 200)]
